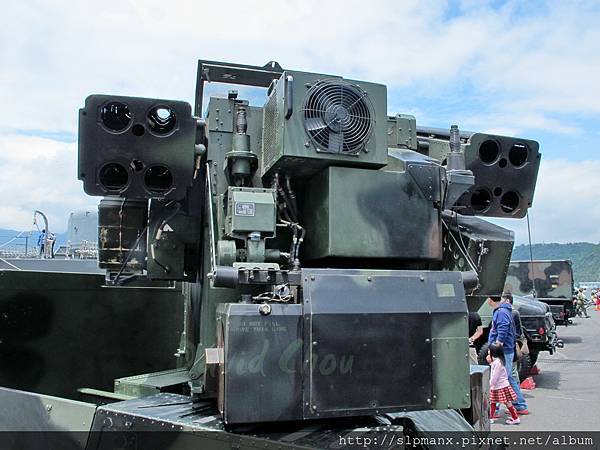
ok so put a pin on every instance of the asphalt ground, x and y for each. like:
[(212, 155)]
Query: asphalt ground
[(567, 396)]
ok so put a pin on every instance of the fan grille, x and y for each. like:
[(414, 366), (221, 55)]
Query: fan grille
[(338, 117)]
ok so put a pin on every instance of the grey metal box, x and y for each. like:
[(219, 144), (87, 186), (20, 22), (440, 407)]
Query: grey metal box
[(261, 370)]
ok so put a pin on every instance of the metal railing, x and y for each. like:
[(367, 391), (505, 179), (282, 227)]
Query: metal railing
[(18, 247)]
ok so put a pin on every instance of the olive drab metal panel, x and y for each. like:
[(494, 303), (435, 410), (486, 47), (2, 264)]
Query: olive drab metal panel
[(547, 279), (312, 121), (53, 321)]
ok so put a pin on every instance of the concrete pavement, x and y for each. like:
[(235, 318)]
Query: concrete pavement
[(567, 396)]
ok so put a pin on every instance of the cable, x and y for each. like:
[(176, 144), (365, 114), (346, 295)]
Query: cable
[(167, 219), (530, 254), (14, 238), (129, 254), (462, 249), (159, 232)]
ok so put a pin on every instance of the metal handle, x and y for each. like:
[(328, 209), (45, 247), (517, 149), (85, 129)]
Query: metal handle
[(288, 96)]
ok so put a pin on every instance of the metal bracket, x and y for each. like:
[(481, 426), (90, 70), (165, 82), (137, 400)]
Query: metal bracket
[(240, 74)]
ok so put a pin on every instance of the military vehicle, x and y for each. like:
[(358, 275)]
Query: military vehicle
[(538, 327), (548, 281), (328, 254)]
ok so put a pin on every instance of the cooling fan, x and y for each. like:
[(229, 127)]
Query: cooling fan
[(338, 117)]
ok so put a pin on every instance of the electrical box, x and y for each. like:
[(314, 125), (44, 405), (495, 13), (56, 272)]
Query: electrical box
[(250, 210)]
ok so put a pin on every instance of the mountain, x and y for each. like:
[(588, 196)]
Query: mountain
[(584, 255)]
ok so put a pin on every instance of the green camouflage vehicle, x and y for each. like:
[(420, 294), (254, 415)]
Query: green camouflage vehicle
[(538, 327), (326, 256), (548, 281)]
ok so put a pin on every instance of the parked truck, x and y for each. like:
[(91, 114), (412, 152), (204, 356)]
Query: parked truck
[(548, 281)]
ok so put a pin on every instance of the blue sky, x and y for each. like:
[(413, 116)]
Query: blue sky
[(530, 69)]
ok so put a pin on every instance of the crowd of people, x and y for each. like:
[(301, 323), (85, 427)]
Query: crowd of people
[(595, 294), (505, 344)]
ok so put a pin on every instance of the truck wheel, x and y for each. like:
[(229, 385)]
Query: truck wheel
[(524, 366), (483, 351)]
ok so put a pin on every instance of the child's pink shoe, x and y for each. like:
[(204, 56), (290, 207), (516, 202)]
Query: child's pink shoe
[(511, 421)]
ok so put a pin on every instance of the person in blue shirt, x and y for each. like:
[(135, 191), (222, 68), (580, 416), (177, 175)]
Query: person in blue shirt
[(503, 334), (42, 241)]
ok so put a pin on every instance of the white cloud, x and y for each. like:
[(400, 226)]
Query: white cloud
[(38, 173), (527, 66)]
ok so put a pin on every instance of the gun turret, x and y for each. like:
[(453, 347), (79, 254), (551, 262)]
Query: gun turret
[(322, 237)]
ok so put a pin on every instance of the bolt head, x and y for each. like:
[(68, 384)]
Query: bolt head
[(264, 309)]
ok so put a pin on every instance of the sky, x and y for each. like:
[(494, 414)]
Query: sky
[(528, 69)]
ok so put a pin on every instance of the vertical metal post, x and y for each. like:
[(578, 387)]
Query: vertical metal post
[(531, 255)]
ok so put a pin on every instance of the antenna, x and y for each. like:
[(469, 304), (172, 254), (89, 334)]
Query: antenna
[(531, 253)]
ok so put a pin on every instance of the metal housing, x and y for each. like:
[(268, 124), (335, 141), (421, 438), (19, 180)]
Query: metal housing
[(286, 145)]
